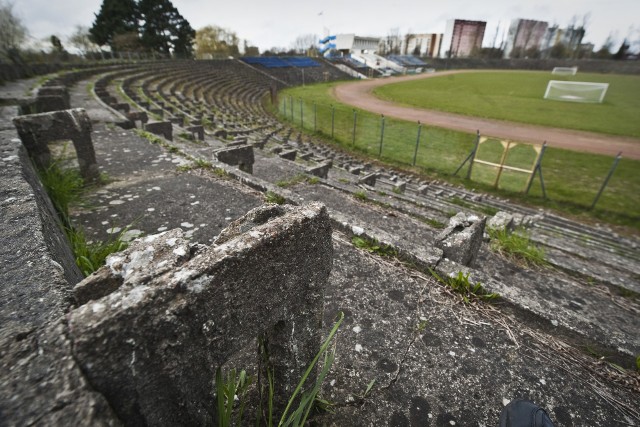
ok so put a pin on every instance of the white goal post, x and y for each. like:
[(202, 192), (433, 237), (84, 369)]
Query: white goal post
[(565, 71), (576, 91)]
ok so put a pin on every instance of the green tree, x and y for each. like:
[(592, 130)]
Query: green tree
[(57, 44), (115, 17), (216, 41), (163, 29)]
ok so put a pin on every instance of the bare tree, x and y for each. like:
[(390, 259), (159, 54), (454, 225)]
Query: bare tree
[(81, 40), (304, 43), (12, 31)]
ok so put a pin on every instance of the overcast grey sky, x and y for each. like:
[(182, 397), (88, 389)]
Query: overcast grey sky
[(278, 23)]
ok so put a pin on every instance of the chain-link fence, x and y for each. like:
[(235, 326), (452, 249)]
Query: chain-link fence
[(435, 149)]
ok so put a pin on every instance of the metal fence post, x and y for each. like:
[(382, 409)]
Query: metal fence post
[(301, 115), (291, 103), (355, 119), (473, 154), (381, 135), (333, 111), (606, 180), (284, 106), (415, 153), (315, 116), (538, 169)]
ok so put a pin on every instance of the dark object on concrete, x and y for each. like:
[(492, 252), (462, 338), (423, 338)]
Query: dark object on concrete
[(163, 129), (197, 131), (461, 240), (220, 133), (37, 130), (321, 170), (241, 156), (523, 413)]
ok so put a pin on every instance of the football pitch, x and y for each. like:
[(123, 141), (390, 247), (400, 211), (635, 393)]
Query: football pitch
[(518, 96)]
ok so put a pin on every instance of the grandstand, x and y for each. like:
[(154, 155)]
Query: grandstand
[(296, 70)]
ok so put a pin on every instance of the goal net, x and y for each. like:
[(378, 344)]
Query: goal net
[(565, 71), (576, 91)]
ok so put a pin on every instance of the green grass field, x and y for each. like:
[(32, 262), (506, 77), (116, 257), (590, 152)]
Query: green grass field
[(518, 96), (572, 179)]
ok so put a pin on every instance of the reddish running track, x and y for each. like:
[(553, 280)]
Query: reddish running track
[(360, 94)]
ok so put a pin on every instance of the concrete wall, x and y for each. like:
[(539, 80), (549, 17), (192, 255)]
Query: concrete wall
[(584, 65)]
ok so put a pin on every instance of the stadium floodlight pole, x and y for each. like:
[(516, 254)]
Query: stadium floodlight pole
[(355, 120), (415, 153), (381, 135), (606, 180)]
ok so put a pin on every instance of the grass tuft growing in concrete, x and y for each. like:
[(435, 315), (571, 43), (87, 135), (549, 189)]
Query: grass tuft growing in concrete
[(517, 247)]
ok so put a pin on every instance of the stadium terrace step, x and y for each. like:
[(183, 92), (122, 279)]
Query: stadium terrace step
[(428, 354)]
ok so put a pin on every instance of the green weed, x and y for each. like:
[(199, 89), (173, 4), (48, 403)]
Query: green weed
[(487, 210), (186, 135), (468, 291), (516, 246), (271, 197), (92, 256), (64, 186), (373, 246), (360, 195), (300, 178), (235, 385)]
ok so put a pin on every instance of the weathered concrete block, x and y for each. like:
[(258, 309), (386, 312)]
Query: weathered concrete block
[(461, 240), (121, 106), (138, 116), (356, 170), (241, 156), (423, 190), (289, 154), (52, 98), (37, 130), (177, 120), (501, 221), (163, 129), (152, 345), (220, 133), (157, 111), (400, 187), (197, 131), (321, 170), (369, 179)]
